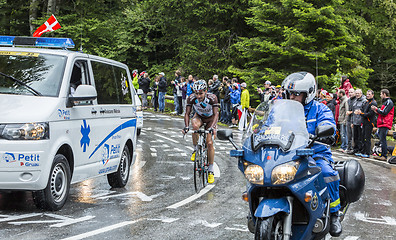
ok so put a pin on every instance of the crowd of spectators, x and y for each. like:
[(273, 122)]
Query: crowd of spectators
[(356, 114)]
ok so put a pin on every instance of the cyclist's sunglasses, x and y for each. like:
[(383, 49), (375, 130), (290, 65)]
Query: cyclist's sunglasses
[(295, 93)]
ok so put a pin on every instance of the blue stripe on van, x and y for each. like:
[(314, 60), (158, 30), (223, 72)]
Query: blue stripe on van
[(130, 123)]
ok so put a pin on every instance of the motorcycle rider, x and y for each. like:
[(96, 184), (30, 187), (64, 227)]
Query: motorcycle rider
[(301, 86)]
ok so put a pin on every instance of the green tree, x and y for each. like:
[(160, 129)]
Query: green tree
[(295, 36)]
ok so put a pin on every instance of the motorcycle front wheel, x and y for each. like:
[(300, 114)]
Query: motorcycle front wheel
[(270, 228)]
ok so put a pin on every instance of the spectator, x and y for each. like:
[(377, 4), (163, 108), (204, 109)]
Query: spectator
[(351, 101), (322, 96), (342, 119), (210, 84), (183, 88), (161, 91), (227, 101), (245, 103), (368, 118), (345, 84), (144, 84), (222, 88), (331, 103), (154, 99), (235, 97), (179, 94), (190, 82), (278, 93), (175, 85), (215, 86), (267, 85), (357, 107), (384, 121)]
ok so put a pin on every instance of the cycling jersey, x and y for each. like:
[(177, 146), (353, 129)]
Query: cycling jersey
[(204, 108)]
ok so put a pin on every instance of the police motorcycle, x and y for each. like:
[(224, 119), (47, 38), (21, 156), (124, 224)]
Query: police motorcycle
[(286, 192)]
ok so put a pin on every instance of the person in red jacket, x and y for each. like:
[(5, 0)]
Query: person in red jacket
[(345, 84), (384, 121)]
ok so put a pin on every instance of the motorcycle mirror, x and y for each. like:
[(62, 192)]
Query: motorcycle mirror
[(324, 131), (224, 134)]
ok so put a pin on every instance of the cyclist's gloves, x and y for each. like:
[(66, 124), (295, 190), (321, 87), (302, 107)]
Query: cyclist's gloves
[(210, 130), (186, 129)]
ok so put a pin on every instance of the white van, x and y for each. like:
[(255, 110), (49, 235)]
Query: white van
[(65, 117)]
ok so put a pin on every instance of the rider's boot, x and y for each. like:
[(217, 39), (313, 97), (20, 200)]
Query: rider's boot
[(335, 225)]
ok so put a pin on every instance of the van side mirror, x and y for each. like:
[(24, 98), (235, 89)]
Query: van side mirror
[(82, 93), (139, 92), (324, 131)]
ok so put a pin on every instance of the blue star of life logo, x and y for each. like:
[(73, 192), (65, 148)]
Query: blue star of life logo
[(85, 130)]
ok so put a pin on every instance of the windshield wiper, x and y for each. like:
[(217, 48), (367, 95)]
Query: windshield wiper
[(35, 92)]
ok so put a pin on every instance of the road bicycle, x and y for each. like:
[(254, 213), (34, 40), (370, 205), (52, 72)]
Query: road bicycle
[(201, 161)]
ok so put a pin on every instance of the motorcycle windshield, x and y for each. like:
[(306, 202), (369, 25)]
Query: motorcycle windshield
[(279, 122)]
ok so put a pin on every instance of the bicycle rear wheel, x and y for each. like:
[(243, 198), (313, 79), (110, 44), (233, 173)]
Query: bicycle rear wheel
[(198, 171)]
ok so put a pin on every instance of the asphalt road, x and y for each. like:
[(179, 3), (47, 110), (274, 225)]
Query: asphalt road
[(159, 201)]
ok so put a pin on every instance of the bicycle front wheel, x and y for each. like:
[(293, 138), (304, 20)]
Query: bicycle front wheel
[(198, 171), (205, 166)]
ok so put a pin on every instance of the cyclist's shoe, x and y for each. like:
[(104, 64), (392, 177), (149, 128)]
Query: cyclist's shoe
[(210, 177), (193, 156)]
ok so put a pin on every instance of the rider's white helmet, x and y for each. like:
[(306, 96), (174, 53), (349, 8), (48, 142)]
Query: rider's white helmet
[(199, 85), (300, 82)]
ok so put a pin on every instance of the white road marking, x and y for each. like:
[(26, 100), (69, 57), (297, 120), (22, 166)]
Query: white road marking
[(164, 219), (161, 146), (99, 231), (140, 195), (190, 148), (141, 164), (153, 149), (140, 141), (102, 194), (177, 155), (157, 141), (237, 229), (34, 222), (351, 238), (73, 221), (153, 154), (169, 139), (216, 170), (205, 223), (12, 218), (383, 220), (192, 198)]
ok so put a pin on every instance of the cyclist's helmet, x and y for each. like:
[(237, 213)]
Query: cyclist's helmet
[(200, 85), (300, 82)]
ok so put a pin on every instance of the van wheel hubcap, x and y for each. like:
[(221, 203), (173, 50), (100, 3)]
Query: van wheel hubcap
[(58, 182)]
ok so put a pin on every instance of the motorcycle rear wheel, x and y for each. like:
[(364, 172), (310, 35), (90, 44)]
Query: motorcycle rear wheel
[(270, 228)]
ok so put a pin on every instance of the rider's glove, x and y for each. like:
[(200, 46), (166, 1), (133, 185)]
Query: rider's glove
[(210, 130), (186, 129), (327, 140)]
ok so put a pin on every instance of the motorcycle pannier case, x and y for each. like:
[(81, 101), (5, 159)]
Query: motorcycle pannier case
[(352, 180)]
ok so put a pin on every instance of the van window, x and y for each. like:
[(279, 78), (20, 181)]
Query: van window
[(38, 74), (111, 84), (121, 79), (105, 83)]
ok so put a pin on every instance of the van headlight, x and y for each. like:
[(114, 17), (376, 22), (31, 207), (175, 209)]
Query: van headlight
[(284, 173), (25, 131), (254, 174)]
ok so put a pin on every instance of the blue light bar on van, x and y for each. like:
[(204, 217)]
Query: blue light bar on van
[(38, 42)]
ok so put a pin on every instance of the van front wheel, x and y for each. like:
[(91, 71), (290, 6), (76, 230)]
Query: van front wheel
[(120, 178), (54, 196)]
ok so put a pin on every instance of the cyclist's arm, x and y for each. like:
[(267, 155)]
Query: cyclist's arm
[(215, 115), (187, 116)]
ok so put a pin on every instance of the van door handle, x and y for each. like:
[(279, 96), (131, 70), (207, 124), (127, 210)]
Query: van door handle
[(94, 111)]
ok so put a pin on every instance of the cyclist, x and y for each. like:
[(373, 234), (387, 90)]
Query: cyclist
[(206, 107)]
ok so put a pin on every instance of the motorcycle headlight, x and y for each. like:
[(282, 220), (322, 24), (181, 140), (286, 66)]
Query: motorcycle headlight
[(254, 174), (284, 173), (26, 131)]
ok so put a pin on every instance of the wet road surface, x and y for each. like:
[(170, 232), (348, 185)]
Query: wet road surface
[(159, 201)]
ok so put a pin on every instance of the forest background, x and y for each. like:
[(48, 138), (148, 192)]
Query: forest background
[(253, 40)]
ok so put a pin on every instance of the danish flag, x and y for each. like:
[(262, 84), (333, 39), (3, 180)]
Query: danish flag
[(50, 25)]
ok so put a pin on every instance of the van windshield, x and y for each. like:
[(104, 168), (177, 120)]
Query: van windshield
[(27, 73)]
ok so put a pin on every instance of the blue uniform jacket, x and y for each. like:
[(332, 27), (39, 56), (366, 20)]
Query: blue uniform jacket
[(318, 114)]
